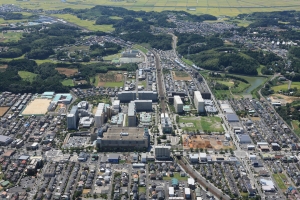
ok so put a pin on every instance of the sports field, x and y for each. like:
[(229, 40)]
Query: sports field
[(37, 107), (214, 7)]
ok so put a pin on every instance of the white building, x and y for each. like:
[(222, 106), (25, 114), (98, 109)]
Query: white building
[(203, 157), (191, 183), (194, 158), (100, 115), (199, 102), (178, 104), (171, 191), (116, 104), (187, 192)]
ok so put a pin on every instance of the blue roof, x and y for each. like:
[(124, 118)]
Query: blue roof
[(48, 93), (174, 181)]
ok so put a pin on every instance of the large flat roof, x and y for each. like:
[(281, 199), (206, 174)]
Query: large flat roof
[(131, 109), (126, 133)]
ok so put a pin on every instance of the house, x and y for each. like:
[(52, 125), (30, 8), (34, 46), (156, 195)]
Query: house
[(194, 158)]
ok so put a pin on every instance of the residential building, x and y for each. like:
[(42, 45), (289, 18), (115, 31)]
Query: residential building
[(100, 115), (131, 115), (72, 118), (199, 102), (178, 104), (5, 140), (166, 123)]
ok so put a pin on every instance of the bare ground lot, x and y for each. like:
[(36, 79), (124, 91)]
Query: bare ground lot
[(3, 110), (283, 99), (181, 76), (37, 107), (216, 142), (111, 76), (66, 71)]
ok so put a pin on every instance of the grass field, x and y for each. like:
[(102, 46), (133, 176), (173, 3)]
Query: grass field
[(295, 124), (187, 61), (141, 48), (214, 7), (68, 82), (209, 124), (112, 57), (284, 87), (177, 176), (10, 37), (27, 76), (142, 190), (279, 180), (114, 84), (90, 25)]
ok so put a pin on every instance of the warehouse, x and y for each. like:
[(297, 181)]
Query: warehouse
[(244, 139), (232, 118), (5, 140)]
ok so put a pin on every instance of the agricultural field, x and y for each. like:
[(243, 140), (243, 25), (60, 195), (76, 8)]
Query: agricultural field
[(280, 180), (111, 79), (67, 71), (206, 124), (214, 7), (27, 76)]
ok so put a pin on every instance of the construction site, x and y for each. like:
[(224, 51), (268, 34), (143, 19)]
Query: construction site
[(215, 142)]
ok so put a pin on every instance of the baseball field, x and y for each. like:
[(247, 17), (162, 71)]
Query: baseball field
[(214, 7)]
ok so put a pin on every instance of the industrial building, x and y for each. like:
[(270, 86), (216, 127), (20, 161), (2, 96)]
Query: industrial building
[(72, 118), (99, 115), (63, 98), (162, 152), (199, 102), (178, 104), (125, 137), (232, 117), (166, 123), (5, 140), (131, 115), (127, 96), (244, 139)]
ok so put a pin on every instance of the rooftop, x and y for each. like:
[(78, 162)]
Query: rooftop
[(125, 133)]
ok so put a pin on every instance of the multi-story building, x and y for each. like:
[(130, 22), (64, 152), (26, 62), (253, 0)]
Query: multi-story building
[(127, 96), (178, 104), (143, 105), (100, 115), (124, 137), (162, 152), (166, 123), (199, 102), (72, 118), (131, 115)]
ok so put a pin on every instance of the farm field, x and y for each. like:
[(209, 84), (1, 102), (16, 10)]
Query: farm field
[(67, 71), (279, 178), (27, 76), (214, 7), (206, 124), (111, 79)]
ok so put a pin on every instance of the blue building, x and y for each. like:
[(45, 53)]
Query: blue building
[(113, 158)]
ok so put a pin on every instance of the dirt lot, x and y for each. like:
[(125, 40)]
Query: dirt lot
[(283, 99), (3, 110), (205, 142), (66, 71), (181, 76), (111, 76), (37, 107)]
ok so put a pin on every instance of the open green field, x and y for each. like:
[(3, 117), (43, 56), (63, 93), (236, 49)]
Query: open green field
[(68, 82), (27, 76), (214, 7), (10, 37), (209, 124), (296, 127), (279, 180), (90, 25), (112, 57), (177, 176), (285, 86), (114, 84), (141, 48), (187, 61), (142, 190), (228, 83)]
